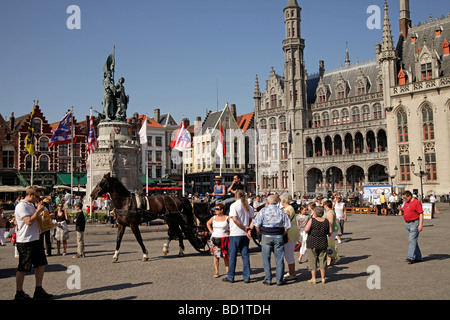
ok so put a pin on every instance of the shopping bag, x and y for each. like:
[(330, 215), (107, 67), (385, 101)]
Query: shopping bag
[(45, 221), (332, 251)]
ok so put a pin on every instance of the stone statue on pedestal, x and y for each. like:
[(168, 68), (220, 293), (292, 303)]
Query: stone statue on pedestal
[(115, 101)]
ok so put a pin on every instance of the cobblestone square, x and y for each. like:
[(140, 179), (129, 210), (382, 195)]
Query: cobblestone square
[(369, 240)]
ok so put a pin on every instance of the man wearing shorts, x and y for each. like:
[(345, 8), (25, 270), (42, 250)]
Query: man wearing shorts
[(30, 248)]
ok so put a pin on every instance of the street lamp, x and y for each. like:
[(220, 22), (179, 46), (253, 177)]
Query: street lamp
[(394, 175), (421, 173)]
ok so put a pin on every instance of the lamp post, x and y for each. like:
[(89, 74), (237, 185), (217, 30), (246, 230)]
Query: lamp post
[(394, 175), (421, 173)]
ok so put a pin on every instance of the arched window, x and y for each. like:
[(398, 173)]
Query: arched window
[(282, 123), (402, 126), (37, 125), (377, 111), (263, 124), (43, 163), (355, 114), (326, 119), (345, 116), (335, 116), (427, 123), (361, 88), (43, 144), (316, 120), (366, 113), (322, 95), (340, 92), (273, 124)]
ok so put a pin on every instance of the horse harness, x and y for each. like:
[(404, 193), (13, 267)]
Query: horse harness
[(139, 205)]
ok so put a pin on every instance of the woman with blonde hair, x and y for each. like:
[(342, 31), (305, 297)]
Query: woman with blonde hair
[(240, 215)]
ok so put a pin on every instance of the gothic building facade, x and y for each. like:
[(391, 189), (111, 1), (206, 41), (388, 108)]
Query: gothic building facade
[(341, 129)]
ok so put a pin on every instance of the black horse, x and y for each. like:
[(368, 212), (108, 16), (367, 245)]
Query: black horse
[(132, 209)]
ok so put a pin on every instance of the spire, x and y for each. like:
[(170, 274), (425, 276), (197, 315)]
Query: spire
[(257, 93), (347, 57), (405, 19), (292, 3), (387, 43)]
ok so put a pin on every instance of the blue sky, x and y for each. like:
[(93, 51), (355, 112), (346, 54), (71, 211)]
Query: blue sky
[(182, 56)]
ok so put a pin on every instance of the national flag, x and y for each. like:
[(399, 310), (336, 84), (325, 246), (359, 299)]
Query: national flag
[(92, 139), (182, 140), (143, 132), (221, 149), (29, 140), (63, 133)]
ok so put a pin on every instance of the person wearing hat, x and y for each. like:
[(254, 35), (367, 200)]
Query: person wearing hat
[(219, 188), (218, 193)]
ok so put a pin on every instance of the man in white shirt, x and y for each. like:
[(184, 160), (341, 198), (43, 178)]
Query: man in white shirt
[(30, 248), (392, 203), (240, 218)]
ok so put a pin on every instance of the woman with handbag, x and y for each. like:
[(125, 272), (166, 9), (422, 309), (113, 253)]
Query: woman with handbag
[(62, 230), (219, 227)]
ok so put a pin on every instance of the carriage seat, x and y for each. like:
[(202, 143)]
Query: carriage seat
[(201, 211)]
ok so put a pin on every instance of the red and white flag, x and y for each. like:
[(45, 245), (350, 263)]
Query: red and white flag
[(220, 149), (92, 139), (182, 140)]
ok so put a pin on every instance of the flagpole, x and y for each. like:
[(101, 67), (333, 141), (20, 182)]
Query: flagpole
[(182, 166), (90, 169), (146, 160), (71, 158), (32, 156), (256, 163)]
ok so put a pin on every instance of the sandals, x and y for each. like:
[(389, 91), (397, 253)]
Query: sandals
[(216, 275)]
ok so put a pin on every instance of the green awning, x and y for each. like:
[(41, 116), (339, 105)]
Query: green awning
[(64, 179), (155, 181)]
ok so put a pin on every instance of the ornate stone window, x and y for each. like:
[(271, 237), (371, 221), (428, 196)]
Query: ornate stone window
[(402, 126), (345, 116), (326, 119), (427, 123), (335, 116), (355, 114), (366, 113)]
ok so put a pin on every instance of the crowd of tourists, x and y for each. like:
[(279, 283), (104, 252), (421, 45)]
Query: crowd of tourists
[(282, 224)]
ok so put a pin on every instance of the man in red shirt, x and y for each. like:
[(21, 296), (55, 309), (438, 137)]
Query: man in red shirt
[(413, 215)]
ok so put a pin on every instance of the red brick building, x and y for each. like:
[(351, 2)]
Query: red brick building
[(51, 165)]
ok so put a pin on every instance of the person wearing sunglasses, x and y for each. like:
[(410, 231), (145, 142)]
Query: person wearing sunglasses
[(219, 227)]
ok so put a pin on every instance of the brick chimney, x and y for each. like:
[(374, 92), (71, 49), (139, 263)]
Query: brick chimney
[(233, 111), (405, 19), (156, 114), (12, 121)]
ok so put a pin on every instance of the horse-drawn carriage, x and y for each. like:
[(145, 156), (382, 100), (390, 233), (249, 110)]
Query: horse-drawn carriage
[(185, 221)]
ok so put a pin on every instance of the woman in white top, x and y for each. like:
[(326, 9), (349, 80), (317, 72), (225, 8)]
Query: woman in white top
[(219, 227), (341, 216)]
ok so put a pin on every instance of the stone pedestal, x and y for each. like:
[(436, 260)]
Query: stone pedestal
[(116, 153)]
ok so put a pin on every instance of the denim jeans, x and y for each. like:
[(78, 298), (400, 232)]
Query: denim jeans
[(275, 245), (236, 244), (413, 236)]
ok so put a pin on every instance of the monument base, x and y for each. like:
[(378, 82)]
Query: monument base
[(116, 153)]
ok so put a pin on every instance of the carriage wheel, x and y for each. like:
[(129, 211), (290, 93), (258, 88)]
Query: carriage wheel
[(256, 238), (198, 237)]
